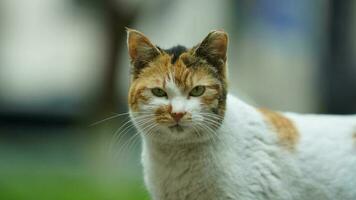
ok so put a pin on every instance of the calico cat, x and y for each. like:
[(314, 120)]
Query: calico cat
[(202, 143)]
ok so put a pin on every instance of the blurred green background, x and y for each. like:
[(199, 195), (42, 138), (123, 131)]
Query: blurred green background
[(66, 162), (64, 66)]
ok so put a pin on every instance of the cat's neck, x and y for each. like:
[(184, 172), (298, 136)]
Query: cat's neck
[(169, 153)]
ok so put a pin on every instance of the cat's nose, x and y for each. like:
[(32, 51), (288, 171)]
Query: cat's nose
[(178, 116)]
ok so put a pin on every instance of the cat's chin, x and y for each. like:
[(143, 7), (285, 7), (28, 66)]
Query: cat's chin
[(177, 128), (177, 134)]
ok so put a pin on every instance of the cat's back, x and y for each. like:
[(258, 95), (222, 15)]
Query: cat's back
[(326, 153), (322, 132), (317, 122)]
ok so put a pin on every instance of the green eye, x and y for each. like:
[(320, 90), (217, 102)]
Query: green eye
[(197, 91), (158, 92)]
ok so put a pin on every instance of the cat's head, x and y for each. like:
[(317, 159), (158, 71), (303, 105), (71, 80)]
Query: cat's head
[(178, 95)]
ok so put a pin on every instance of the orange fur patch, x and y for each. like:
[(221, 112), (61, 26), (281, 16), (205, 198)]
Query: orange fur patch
[(163, 114), (283, 127), (137, 96)]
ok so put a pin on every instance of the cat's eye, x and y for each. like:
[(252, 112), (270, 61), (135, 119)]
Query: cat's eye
[(197, 91), (158, 92)]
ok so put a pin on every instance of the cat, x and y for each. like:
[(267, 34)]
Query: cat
[(202, 143)]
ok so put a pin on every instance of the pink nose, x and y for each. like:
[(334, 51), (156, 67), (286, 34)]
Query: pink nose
[(177, 116)]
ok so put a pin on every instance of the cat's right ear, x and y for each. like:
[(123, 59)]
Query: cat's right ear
[(213, 48), (141, 50)]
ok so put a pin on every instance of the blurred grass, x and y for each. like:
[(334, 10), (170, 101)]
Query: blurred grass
[(57, 185), (67, 165)]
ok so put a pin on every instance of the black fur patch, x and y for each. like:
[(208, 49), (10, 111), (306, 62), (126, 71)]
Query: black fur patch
[(176, 52)]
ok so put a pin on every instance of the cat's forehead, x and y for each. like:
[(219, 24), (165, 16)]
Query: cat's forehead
[(175, 52), (163, 72)]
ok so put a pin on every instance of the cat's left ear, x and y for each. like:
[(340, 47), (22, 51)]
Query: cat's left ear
[(214, 48), (141, 50)]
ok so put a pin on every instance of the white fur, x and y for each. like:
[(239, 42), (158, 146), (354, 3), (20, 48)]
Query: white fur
[(245, 161)]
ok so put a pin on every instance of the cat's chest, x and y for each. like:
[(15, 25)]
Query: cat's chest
[(183, 181), (189, 179)]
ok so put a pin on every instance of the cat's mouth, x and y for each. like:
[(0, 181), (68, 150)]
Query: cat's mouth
[(177, 128)]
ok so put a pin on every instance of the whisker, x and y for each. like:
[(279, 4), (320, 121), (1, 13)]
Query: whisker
[(127, 144), (124, 129), (133, 139), (203, 127), (139, 121), (113, 117), (109, 118), (216, 136), (196, 131), (212, 122), (134, 143), (212, 115)]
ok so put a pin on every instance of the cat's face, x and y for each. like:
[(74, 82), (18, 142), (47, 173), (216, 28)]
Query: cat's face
[(178, 95)]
